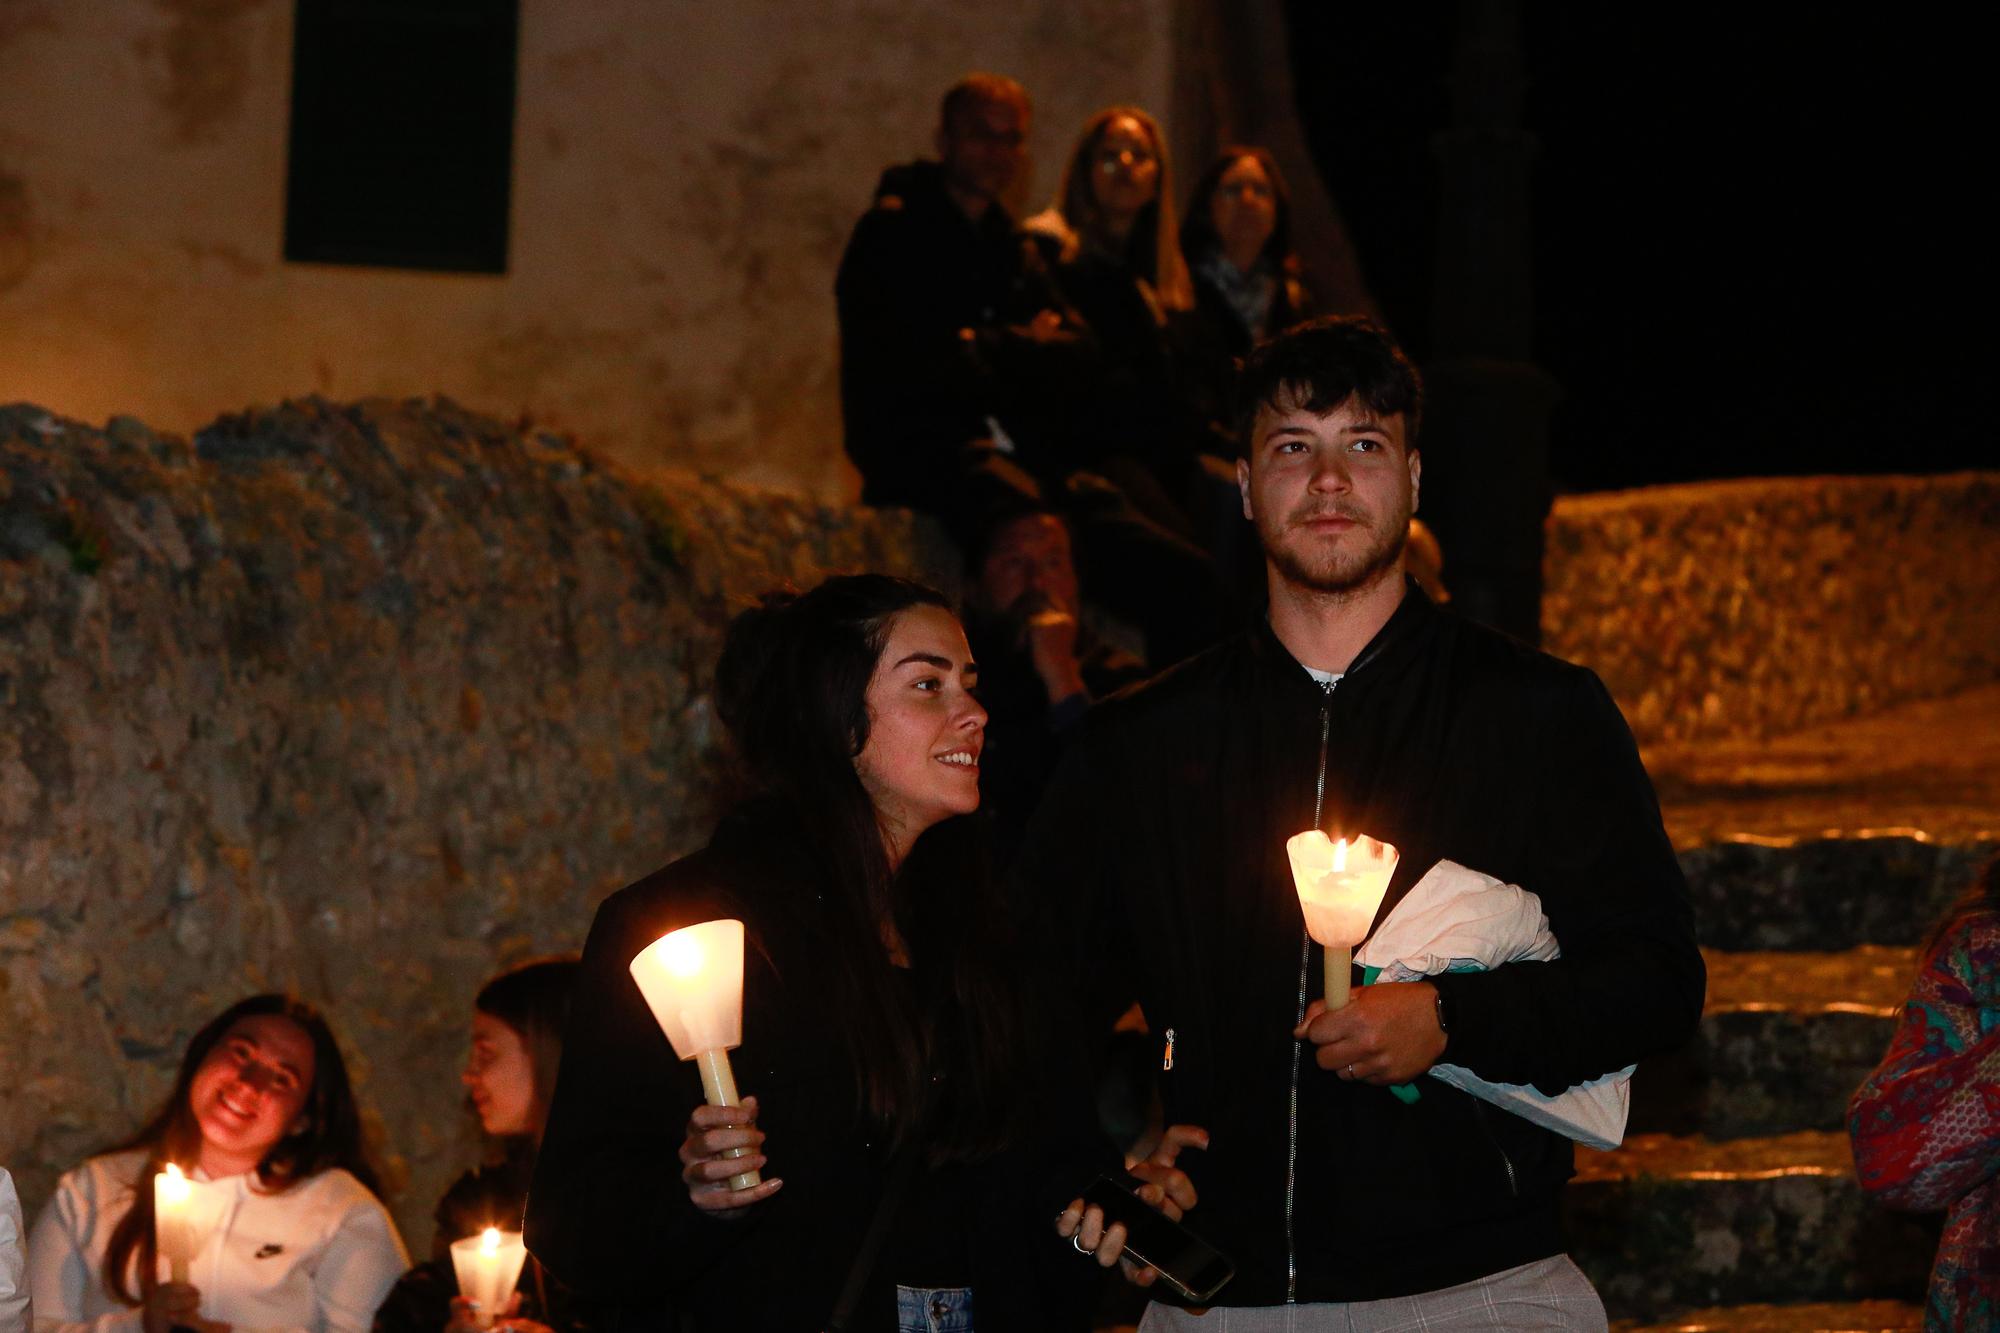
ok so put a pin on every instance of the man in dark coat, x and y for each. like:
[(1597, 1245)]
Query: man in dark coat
[(1360, 707), (954, 344)]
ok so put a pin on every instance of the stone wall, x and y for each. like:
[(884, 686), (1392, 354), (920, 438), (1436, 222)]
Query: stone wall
[(684, 177), (1757, 607), (363, 701)]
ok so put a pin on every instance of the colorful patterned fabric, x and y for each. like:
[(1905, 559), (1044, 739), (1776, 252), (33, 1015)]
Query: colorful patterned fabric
[(1926, 1123)]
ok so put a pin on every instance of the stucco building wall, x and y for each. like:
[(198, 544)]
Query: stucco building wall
[(684, 179)]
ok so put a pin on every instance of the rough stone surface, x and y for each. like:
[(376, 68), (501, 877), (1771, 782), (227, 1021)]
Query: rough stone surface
[(365, 701), (1759, 607), (1784, 1040), (1668, 1224), (1826, 894)]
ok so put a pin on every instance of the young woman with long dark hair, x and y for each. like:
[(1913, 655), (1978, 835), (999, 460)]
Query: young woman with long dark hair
[(518, 1020), (263, 1112), (883, 1048)]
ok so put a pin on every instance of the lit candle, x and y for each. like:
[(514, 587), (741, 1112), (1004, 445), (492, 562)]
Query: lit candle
[(488, 1265), (692, 979), (1340, 887), (173, 1227)]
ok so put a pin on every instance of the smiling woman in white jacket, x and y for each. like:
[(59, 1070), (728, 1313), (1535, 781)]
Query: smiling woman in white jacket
[(289, 1233)]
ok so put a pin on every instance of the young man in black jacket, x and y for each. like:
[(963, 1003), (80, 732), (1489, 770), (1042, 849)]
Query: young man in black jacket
[(1361, 708)]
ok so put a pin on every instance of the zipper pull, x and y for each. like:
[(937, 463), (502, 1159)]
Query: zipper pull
[(1168, 1063)]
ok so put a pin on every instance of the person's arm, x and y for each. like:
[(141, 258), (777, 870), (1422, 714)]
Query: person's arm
[(355, 1271), (1630, 980), (609, 1213), (1926, 1123), (63, 1261), (15, 1308)]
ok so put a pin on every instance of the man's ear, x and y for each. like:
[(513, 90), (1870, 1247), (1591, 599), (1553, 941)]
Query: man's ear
[(1243, 486), (1416, 473)]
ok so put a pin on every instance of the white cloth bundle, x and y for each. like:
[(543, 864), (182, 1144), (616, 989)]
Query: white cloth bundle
[(1458, 920)]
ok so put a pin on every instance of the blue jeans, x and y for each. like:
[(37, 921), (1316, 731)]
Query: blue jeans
[(933, 1310)]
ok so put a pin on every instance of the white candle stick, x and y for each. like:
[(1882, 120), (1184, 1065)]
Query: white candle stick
[(1340, 886), (692, 979), (173, 1228), (488, 1265)]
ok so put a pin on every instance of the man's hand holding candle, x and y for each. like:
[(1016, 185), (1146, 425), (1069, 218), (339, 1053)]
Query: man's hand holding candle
[(712, 1132), (1387, 1033)]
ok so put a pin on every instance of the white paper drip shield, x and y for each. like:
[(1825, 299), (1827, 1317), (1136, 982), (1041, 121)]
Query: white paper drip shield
[(692, 979)]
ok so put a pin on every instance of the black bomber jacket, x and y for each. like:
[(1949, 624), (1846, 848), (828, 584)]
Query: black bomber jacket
[(1158, 871)]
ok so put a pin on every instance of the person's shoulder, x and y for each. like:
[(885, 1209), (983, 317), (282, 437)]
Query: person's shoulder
[(1488, 659), (724, 878), (337, 1191), (1210, 679), (105, 1178)]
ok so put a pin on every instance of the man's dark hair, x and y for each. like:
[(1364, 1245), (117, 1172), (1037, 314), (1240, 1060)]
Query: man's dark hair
[(980, 90), (1320, 364)]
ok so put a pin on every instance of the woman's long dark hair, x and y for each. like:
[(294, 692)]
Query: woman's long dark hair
[(533, 999), (331, 1136), (791, 688)]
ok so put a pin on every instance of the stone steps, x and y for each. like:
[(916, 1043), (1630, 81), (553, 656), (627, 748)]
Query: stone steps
[(1827, 894), (1784, 1040), (1670, 1222), (1812, 1317)]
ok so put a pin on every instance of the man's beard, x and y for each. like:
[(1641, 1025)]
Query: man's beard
[(1338, 575)]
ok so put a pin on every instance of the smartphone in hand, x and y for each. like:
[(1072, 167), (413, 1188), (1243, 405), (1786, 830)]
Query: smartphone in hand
[(1187, 1263)]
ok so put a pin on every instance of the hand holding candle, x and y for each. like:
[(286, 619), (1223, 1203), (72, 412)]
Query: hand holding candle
[(692, 979), (1340, 887), (488, 1265)]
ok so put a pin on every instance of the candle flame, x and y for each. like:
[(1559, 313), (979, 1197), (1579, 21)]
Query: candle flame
[(682, 955), (174, 1187), (489, 1241), (1340, 855)]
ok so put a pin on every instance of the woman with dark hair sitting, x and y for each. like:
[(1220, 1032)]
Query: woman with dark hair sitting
[(1926, 1123), (517, 1031), (1237, 240), (893, 1097), (294, 1234)]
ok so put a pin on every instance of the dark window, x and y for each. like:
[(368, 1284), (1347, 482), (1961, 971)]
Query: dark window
[(402, 133)]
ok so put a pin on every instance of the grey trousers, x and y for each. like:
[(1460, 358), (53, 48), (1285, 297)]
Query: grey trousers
[(1547, 1294)]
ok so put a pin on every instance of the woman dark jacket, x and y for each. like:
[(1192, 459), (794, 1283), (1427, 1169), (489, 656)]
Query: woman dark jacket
[(611, 1214)]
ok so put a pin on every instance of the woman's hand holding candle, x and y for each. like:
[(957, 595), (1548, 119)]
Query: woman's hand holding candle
[(176, 1304), (1387, 1033), (712, 1133)]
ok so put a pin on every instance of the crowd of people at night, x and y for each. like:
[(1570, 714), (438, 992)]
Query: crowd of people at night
[(1018, 901)]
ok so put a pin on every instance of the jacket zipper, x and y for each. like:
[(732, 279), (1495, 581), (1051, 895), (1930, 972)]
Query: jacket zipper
[(1506, 1162), (1298, 1047)]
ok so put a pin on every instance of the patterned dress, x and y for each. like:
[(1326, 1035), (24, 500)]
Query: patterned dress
[(1926, 1123)]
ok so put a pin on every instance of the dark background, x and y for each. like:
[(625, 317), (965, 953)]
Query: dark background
[(1761, 238)]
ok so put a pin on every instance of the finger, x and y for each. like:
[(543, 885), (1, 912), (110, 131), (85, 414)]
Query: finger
[(718, 1169), (716, 1117), (722, 1200), (1174, 1139), (1091, 1233), (1111, 1246), (1138, 1275), (1070, 1219), (710, 1142)]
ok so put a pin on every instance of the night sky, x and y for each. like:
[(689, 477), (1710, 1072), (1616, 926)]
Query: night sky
[(1760, 247)]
